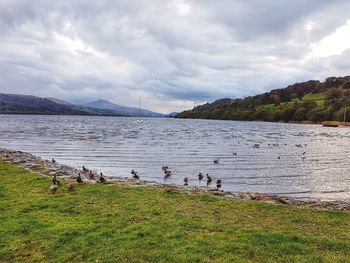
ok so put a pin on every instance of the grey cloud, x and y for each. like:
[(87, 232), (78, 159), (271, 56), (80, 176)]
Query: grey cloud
[(182, 52)]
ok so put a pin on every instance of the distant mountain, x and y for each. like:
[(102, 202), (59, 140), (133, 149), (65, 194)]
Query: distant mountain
[(171, 114), (59, 101), (310, 101), (27, 104), (122, 110)]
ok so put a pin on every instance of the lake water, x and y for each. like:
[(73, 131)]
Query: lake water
[(116, 145)]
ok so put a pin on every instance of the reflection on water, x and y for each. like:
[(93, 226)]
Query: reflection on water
[(116, 145)]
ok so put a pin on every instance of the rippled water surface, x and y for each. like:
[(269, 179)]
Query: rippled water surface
[(116, 145)]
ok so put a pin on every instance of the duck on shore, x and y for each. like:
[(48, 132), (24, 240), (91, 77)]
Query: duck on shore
[(102, 179), (55, 180), (218, 183), (85, 170), (200, 176), (53, 188), (167, 174), (70, 187), (79, 179), (91, 174), (186, 181), (209, 179), (53, 160), (134, 174)]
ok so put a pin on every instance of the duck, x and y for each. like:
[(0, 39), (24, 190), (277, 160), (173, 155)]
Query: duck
[(216, 161), (186, 181), (209, 179), (303, 156), (53, 188), (53, 160), (278, 157), (134, 174), (102, 179), (165, 167), (167, 174), (91, 174), (70, 187), (200, 176), (79, 179), (234, 154), (85, 169), (55, 180), (218, 183)]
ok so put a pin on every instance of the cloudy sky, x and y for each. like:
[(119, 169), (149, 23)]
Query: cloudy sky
[(173, 54)]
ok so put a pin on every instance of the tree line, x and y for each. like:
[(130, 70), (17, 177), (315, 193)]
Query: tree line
[(312, 101)]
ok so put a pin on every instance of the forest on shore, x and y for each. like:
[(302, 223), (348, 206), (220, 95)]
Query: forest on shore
[(310, 102)]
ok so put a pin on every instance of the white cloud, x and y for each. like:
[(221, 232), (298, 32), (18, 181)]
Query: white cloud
[(333, 44)]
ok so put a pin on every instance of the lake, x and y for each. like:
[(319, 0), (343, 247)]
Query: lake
[(115, 145)]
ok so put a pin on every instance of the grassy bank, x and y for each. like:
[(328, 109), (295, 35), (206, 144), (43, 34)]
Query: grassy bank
[(111, 223)]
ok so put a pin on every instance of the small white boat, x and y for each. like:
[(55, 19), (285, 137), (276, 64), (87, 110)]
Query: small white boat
[(139, 120)]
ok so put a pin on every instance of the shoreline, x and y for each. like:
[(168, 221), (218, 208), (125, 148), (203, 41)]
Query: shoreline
[(304, 122), (46, 168)]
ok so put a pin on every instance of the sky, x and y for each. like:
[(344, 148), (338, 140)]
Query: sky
[(173, 54)]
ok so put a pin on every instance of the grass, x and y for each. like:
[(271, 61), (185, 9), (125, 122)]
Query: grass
[(318, 98), (110, 223)]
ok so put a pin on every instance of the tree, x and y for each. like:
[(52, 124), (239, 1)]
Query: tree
[(276, 100)]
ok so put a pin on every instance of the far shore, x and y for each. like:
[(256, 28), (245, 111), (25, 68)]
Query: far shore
[(326, 123), (46, 168)]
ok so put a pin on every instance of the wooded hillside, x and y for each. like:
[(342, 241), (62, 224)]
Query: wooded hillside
[(307, 101)]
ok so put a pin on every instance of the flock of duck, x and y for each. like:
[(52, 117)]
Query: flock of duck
[(167, 173), (208, 178), (55, 183)]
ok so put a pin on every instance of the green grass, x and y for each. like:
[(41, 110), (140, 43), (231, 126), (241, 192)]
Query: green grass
[(314, 96), (318, 98), (111, 223)]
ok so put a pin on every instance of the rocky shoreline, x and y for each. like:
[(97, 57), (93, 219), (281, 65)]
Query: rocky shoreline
[(46, 168)]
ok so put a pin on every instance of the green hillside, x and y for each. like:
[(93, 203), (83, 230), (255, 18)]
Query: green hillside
[(308, 101)]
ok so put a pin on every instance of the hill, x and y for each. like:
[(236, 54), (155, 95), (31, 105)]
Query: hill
[(27, 104), (122, 110), (310, 101)]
